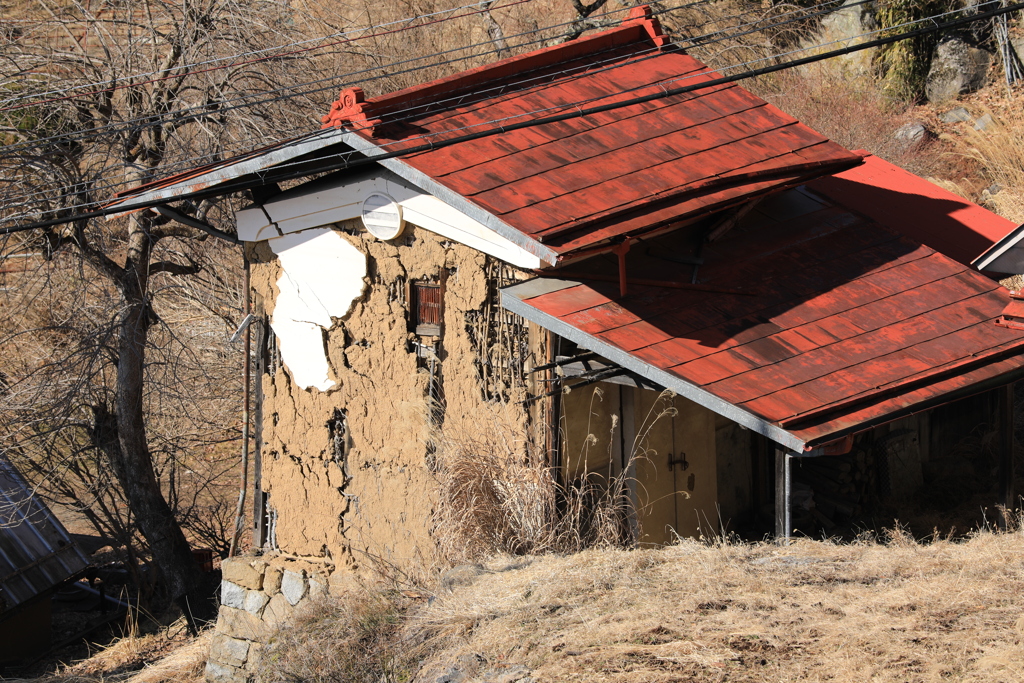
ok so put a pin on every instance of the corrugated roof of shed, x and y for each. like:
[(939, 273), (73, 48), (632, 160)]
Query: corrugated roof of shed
[(844, 322), (36, 552)]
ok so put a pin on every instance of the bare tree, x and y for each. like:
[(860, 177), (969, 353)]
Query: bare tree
[(96, 96)]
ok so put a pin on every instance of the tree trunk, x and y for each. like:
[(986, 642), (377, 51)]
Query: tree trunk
[(134, 462)]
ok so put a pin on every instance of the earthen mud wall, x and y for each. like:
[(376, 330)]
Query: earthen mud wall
[(348, 471)]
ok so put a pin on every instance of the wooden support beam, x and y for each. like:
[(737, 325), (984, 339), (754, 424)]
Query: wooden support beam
[(783, 521), (627, 406), (1007, 494)]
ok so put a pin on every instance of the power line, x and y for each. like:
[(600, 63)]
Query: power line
[(202, 111), (205, 110), (193, 65), (271, 177), (393, 116)]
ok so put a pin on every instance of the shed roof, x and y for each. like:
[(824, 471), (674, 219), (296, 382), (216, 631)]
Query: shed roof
[(558, 189), (835, 321), (36, 552)]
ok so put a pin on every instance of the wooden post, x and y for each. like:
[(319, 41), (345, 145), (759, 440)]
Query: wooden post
[(783, 522), (1006, 470), (627, 410)]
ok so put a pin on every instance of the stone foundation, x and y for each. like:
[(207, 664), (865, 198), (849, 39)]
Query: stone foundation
[(258, 595)]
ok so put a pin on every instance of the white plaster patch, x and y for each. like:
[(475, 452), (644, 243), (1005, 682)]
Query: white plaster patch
[(322, 277)]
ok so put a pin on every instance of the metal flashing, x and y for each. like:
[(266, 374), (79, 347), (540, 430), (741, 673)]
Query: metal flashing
[(229, 170)]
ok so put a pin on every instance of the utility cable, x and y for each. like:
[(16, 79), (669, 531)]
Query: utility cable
[(408, 21), (577, 113), (347, 155), (395, 116), (205, 110)]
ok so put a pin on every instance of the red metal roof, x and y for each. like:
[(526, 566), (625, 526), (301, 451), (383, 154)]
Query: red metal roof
[(916, 208), (581, 182), (843, 322)]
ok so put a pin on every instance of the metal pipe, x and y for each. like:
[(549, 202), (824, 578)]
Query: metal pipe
[(240, 509), (564, 361)]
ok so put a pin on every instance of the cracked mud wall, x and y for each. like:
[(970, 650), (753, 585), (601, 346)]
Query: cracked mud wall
[(363, 492)]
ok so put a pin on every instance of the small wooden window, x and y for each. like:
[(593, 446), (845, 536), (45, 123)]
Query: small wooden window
[(427, 308)]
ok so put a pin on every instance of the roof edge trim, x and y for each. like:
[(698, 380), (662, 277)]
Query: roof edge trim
[(510, 300)]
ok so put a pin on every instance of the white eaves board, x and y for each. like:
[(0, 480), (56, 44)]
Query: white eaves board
[(332, 200)]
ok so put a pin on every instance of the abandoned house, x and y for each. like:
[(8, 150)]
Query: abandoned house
[(552, 241)]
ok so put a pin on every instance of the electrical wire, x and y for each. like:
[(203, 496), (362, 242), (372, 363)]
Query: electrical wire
[(576, 105), (205, 110), (195, 65), (578, 112), (395, 116), (186, 162)]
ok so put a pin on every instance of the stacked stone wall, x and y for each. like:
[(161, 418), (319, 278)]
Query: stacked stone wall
[(258, 596)]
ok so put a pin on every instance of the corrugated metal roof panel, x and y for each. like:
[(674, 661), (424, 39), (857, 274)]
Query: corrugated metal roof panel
[(36, 552), (846, 321)]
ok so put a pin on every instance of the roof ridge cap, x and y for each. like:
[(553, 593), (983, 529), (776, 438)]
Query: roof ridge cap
[(352, 106)]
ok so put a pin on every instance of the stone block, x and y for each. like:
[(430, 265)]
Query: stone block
[(956, 115), (220, 673), (910, 134), (956, 68), (239, 570), (278, 612), (255, 601), (227, 650), (232, 595), (240, 624), (255, 657), (294, 586), (317, 588), (272, 580)]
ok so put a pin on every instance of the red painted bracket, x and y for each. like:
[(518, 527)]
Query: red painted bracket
[(351, 108)]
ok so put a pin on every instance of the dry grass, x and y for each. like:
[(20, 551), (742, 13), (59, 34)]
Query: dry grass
[(853, 112), (164, 657), (352, 640), (882, 611), (497, 494), (999, 151)]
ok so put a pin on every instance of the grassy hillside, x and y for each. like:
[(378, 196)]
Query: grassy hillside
[(883, 610)]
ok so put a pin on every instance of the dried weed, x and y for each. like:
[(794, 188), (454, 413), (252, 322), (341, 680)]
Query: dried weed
[(999, 151), (497, 493), (890, 610), (352, 639)]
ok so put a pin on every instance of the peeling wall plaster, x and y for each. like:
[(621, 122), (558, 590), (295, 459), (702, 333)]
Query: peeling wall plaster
[(322, 275)]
